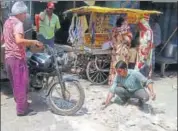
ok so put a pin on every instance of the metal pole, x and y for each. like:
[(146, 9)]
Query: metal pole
[(30, 8), (74, 4), (168, 41)]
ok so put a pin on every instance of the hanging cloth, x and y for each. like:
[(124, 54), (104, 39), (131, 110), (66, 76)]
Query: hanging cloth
[(83, 23), (72, 31)]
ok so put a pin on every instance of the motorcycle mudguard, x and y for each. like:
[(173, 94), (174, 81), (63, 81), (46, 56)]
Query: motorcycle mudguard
[(66, 78)]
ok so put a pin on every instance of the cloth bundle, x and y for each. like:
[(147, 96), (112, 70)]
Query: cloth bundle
[(18, 8)]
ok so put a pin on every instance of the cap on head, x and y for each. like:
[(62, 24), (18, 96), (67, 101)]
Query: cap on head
[(50, 5), (19, 7)]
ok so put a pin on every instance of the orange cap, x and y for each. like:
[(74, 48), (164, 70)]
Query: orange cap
[(50, 5)]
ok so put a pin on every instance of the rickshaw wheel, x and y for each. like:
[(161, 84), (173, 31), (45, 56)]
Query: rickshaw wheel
[(97, 76)]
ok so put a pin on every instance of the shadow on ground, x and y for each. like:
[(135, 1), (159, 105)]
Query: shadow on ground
[(37, 102), (6, 88), (145, 108)]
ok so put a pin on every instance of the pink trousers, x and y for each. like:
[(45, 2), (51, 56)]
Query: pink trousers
[(17, 71)]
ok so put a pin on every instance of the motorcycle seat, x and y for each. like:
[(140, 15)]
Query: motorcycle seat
[(65, 48)]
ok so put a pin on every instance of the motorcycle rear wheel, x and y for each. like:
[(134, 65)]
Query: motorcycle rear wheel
[(70, 111)]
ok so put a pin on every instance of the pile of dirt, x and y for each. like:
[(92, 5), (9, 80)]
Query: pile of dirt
[(120, 118)]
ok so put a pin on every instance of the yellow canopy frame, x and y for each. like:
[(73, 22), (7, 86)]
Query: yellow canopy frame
[(106, 10)]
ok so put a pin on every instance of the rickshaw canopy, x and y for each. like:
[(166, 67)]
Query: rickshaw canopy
[(106, 10)]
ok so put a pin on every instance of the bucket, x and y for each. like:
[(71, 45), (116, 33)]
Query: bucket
[(169, 50)]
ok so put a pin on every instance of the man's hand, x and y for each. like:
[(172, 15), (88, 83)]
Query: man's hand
[(37, 44), (153, 96), (103, 105), (152, 93)]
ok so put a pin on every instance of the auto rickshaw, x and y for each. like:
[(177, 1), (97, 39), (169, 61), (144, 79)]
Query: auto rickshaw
[(91, 27)]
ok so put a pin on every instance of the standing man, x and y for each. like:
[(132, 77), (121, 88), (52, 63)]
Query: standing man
[(156, 37), (15, 56), (133, 85), (49, 23)]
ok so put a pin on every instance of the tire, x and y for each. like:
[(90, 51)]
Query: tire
[(71, 111), (89, 65)]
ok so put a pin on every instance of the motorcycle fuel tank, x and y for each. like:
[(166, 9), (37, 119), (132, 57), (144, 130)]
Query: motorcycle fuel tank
[(41, 62)]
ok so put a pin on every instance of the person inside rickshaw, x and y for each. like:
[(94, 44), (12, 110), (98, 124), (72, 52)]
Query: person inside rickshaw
[(121, 39)]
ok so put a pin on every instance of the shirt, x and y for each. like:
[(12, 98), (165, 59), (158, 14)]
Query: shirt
[(48, 26), (156, 34), (12, 27), (132, 82)]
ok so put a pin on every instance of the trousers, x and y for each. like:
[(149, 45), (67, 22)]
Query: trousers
[(17, 72), (140, 94), (49, 42)]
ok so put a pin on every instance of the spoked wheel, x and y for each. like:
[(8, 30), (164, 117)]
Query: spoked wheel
[(98, 76), (73, 102)]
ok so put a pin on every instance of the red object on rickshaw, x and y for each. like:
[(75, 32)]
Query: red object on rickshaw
[(37, 22)]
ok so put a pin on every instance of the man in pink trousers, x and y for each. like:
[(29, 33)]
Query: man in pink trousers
[(15, 56)]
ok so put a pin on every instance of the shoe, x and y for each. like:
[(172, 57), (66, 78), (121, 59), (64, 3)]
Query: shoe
[(144, 107), (30, 112), (140, 103)]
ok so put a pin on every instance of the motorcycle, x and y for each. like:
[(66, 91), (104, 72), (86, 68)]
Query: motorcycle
[(46, 75)]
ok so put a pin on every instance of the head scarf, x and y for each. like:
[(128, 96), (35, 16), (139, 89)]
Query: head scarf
[(19, 7), (125, 28), (144, 24)]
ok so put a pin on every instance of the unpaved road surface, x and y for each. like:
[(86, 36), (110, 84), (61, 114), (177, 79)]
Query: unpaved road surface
[(162, 116)]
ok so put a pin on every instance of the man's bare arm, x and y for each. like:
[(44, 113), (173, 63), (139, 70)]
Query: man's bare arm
[(109, 98), (150, 88), (20, 40), (42, 15)]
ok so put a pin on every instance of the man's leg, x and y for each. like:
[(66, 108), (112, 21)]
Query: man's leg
[(122, 93), (142, 95), (19, 78), (41, 38), (51, 42)]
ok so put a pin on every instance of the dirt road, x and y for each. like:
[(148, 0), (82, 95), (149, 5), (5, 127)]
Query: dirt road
[(162, 116)]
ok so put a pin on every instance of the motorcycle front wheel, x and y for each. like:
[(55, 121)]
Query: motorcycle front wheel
[(68, 105)]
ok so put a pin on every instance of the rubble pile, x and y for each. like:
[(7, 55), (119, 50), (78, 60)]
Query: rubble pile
[(121, 118)]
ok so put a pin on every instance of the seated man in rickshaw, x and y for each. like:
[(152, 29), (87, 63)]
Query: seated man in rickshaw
[(133, 85)]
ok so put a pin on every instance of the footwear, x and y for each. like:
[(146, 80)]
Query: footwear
[(144, 107), (30, 112), (140, 103), (125, 101)]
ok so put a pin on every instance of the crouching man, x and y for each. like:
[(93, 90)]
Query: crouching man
[(133, 85)]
